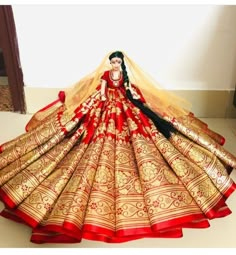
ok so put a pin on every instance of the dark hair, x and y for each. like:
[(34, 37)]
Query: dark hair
[(116, 54), (162, 125)]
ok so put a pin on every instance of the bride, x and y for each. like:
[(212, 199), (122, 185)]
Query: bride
[(114, 159)]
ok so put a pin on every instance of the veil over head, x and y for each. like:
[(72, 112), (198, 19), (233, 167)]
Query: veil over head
[(157, 98)]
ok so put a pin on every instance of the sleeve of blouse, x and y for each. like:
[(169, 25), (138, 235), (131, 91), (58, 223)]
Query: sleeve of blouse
[(104, 76)]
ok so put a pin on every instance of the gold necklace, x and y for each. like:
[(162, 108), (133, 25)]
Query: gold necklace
[(115, 81)]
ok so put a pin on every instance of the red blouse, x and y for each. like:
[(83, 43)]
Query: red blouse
[(111, 83)]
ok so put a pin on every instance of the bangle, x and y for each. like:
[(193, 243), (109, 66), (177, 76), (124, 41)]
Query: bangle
[(126, 85)]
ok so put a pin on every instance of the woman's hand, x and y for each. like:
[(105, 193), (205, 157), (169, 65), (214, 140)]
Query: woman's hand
[(103, 97), (135, 94)]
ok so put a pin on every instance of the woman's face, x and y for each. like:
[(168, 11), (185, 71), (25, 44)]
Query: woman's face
[(116, 63)]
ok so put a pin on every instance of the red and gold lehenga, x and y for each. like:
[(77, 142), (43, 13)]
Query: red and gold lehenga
[(104, 172)]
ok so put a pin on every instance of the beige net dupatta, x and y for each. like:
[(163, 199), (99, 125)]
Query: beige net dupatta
[(158, 99)]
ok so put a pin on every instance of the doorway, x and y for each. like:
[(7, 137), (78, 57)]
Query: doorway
[(5, 93), (11, 75)]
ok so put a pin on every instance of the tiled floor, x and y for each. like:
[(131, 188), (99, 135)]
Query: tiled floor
[(220, 234)]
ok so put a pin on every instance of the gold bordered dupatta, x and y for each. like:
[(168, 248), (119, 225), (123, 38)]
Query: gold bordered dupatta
[(158, 99)]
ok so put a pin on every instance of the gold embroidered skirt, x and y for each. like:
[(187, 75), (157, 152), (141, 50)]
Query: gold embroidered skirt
[(106, 173)]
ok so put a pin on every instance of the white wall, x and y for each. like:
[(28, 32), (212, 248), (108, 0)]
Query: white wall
[(182, 47)]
